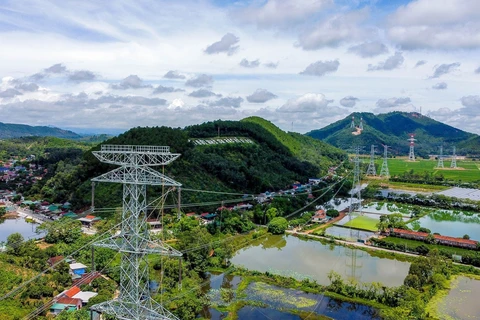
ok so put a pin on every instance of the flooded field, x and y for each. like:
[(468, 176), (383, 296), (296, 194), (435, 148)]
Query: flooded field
[(291, 256), (462, 301)]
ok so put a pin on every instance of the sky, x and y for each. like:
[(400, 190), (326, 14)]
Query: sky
[(107, 66)]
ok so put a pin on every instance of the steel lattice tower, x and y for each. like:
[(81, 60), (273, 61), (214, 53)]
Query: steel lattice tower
[(352, 124), (453, 164), (356, 187), (384, 170), (411, 154), (371, 171), (361, 124), (133, 242), (440, 158)]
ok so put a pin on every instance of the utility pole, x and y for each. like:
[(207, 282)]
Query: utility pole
[(133, 242), (371, 171), (92, 207)]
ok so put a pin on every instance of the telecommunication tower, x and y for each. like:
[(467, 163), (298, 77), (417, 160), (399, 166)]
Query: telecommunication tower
[(352, 124), (384, 171), (371, 171), (361, 124), (440, 158), (133, 242), (356, 187), (411, 155), (453, 164)]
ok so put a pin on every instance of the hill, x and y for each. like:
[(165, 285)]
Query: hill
[(10, 130), (393, 129), (267, 163)]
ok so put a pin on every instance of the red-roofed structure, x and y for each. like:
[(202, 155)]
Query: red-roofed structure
[(54, 260), (72, 291), (74, 301), (445, 240)]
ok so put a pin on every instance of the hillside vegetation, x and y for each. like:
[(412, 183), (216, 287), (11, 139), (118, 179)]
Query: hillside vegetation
[(393, 129), (10, 130), (267, 164)]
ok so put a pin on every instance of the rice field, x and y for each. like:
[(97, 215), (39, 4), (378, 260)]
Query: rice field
[(363, 222), (470, 171)]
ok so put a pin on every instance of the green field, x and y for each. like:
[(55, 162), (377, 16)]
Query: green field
[(408, 243), (364, 223), (471, 170)]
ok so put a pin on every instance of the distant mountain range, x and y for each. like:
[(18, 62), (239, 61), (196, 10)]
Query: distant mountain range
[(10, 130), (393, 129)]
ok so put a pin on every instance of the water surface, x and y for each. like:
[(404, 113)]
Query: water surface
[(26, 229)]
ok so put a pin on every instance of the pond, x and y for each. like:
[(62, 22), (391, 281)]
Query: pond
[(462, 300), (299, 258), (450, 223), (26, 229), (290, 299), (348, 233)]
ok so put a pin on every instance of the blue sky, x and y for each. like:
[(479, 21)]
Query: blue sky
[(109, 66)]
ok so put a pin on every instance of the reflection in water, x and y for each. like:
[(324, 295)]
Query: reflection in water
[(311, 259)]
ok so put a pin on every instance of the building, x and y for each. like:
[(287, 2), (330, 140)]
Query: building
[(70, 292), (77, 268), (86, 278), (84, 296), (89, 220), (154, 223), (54, 260), (320, 216), (444, 240), (56, 308)]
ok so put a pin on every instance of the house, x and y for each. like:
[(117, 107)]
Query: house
[(320, 216), (154, 223), (77, 268), (89, 220), (444, 240), (70, 292), (314, 181), (54, 260), (56, 308), (84, 296), (70, 301)]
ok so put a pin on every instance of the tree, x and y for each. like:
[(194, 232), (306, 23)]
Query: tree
[(3, 211), (332, 213), (466, 236), (63, 230), (14, 242), (278, 225)]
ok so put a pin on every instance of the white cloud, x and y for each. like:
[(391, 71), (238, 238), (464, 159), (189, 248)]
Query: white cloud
[(321, 68), (260, 96), (277, 13), (428, 24), (391, 63), (309, 102), (227, 44), (349, 101), (199, 81), (131, 82), (440, 86), (173, 75), (249, 64), (394, 104), (335, 30), (369, 49), (444, 69)]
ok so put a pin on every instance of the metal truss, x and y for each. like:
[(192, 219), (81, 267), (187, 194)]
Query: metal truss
[(133, 242)]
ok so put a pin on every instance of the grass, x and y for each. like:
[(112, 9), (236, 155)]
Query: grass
[(416, 186), (364, 223), (470, 173), (414, 243)]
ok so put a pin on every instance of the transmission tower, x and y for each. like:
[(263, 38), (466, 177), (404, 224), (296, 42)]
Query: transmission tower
[(352, 124), (356, 187), (361, 124), (133, 242), (411, 155), (440, 158), (371, 171), (384, 171), (454, 159)]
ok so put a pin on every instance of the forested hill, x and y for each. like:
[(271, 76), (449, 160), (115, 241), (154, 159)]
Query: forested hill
[(266, 164), (10, 130), (393, 129)]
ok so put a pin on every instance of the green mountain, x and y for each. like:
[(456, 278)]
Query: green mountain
[(272, 160), (393, 129), (10, 130)]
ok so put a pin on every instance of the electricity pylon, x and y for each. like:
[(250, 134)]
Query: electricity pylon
[(384, 170), (453, 164), (133, 242), (356, 187), (371, 171), (440, 158), (411, 154)]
